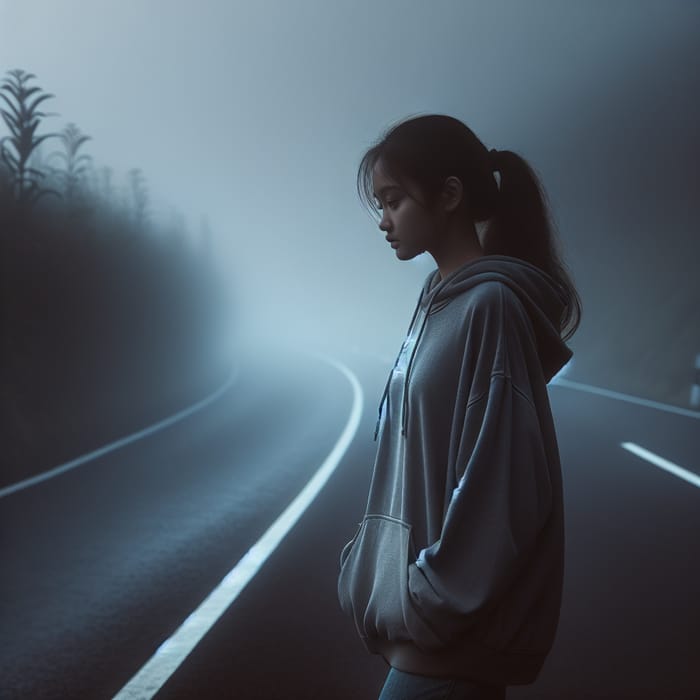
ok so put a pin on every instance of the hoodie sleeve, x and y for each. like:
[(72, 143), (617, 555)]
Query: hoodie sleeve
[(502, 499)]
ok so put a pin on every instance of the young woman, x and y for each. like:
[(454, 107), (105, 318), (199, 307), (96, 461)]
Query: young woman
[(455, 573)]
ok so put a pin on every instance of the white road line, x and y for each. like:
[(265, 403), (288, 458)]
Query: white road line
[(662, 463), (168, 657), (580, 386), (567, 383), (67, 466)]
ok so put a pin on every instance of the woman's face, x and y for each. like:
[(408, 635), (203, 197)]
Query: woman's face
[(410, 227)]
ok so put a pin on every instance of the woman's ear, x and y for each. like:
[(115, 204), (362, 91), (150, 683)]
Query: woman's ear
[(452, 193)]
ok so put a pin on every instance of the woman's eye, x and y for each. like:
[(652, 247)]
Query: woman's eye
[(392, 204)]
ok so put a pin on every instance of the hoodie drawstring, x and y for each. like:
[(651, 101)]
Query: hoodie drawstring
[(404, 396), (404, 418), (396, 361)]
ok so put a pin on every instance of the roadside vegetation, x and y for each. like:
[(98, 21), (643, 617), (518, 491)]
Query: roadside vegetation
[(109, 320)]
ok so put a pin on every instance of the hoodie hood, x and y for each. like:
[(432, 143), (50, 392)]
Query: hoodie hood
[(538, 292)]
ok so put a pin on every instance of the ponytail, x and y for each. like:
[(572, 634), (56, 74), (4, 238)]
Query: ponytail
[(521, 227)]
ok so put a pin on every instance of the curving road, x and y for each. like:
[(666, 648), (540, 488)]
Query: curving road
[(101, 564)]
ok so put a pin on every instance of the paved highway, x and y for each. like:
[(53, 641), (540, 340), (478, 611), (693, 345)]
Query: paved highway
[(103, 563)]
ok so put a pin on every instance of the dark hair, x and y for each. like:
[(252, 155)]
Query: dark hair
[(423, 151)]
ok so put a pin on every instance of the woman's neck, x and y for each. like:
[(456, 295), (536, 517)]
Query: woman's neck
[(456, 248)]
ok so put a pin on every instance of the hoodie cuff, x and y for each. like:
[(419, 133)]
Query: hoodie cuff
[(420, 629)]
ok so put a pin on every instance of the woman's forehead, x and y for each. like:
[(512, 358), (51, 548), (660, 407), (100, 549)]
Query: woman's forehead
[(381, 182)]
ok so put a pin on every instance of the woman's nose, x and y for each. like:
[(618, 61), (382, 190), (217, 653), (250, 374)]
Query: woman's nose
[(383, 223)]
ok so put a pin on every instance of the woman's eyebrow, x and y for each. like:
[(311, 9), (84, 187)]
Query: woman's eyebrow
[(385, 189)]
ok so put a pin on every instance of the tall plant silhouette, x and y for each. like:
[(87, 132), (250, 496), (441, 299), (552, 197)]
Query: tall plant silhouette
[(22, 120), (139, 194), (75, 165)]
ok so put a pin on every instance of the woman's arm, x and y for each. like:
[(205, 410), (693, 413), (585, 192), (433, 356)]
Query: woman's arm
[(501, 502)]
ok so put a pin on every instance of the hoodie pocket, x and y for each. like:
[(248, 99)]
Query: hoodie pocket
[(373, 581)]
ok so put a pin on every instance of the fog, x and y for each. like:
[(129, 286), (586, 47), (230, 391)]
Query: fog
[(255, 116)]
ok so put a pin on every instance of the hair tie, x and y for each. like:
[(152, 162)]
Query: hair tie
[(493, 153)]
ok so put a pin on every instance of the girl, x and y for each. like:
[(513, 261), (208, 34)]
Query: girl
[(455, 573)]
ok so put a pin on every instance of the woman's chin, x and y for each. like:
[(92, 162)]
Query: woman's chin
[(405, 255)]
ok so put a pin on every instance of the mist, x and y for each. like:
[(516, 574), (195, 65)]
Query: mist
[(254, 118)]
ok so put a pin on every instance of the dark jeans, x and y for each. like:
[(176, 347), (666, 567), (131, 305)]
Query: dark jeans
[(409, 686)]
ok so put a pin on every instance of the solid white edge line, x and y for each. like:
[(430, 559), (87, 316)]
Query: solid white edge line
[(168, 657), (121, 442), (662, 463), (567, 383)]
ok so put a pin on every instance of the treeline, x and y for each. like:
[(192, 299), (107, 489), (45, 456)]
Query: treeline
[(109, 320)]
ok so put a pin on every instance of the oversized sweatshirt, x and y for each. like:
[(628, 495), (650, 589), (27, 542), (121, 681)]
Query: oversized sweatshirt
[(456, 568)]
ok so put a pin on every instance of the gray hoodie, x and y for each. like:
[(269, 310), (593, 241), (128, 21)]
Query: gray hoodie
[(457, 566)]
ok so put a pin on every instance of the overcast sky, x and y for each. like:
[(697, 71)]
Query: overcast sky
[(256, 115)]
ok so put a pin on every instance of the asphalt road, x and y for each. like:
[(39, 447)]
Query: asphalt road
[(102, 564)]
